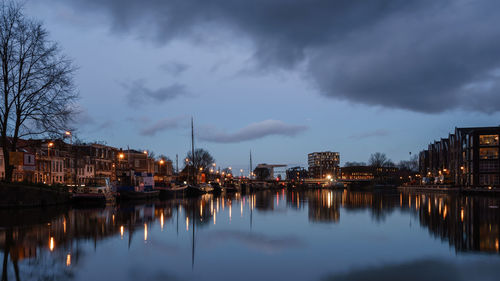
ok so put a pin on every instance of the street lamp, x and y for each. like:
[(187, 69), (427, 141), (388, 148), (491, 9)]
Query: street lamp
[(49, 145)]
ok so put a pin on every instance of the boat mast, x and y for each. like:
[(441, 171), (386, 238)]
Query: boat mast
[(251, 171), (192, 152)]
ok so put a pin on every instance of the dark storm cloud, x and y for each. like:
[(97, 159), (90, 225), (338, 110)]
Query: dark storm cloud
[(425, 55), (139, 93), (251, 132)]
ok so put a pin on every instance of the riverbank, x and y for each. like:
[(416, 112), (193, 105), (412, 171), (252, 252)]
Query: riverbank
[(451, 189), (19, 195)]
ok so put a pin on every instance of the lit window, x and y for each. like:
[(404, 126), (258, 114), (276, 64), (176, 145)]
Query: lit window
[(488, 153), (488, 139)]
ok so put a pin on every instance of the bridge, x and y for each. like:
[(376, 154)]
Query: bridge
[(271, 168)]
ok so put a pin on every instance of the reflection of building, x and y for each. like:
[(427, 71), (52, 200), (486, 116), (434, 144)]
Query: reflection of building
[(322, 164), (324, 206), (469, 224), (469, 157)]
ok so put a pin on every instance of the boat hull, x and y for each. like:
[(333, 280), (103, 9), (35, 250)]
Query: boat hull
[(139, 195)]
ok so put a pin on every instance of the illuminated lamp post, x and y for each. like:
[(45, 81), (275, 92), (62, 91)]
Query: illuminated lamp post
[(49, 145)]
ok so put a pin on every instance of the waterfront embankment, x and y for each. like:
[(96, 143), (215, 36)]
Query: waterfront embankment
[(18, 195), (450, 189)]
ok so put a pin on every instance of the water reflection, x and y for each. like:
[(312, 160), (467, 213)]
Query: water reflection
[(50, 243)]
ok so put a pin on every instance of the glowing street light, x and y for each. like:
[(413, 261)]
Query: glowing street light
[(121, 155)]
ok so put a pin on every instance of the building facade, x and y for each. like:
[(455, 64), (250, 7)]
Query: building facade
[(296, 173), (467, 158), (58, 162), (323, 164)]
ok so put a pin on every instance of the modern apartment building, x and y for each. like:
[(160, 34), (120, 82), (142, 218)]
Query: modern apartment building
[(323, 164), (468, 158)]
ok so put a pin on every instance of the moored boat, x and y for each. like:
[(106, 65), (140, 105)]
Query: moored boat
[(96, 191), (141, 187), (172, 190)]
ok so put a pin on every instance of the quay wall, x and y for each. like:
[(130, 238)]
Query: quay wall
[(18, 195)]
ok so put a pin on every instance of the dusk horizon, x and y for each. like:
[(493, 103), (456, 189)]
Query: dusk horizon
[(142, 78)]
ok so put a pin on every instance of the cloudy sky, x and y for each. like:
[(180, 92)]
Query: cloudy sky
[(280, 77)]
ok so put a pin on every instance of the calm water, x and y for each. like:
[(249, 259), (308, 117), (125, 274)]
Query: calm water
[(280, 235)]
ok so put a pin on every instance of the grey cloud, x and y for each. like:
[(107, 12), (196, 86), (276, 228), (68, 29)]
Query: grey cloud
[(252, 132), (256, 241), (139, 94), (375, 133), (108, 124), (174, 68), (82, 117), (162, 125), (425, 55)]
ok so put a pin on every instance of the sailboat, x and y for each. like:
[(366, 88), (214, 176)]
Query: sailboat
[(193, 188)]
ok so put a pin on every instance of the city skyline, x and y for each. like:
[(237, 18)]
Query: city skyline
[(140, 79)]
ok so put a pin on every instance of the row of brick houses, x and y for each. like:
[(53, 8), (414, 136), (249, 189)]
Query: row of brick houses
[(58, 162), (469, 158)]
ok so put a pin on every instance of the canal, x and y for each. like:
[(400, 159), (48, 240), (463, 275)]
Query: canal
[(267, 235)]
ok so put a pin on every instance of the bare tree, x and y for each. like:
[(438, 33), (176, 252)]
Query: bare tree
[(352, 164), (36, 83), (378, 160), (409, 165), (164, 157), (202, 159)]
